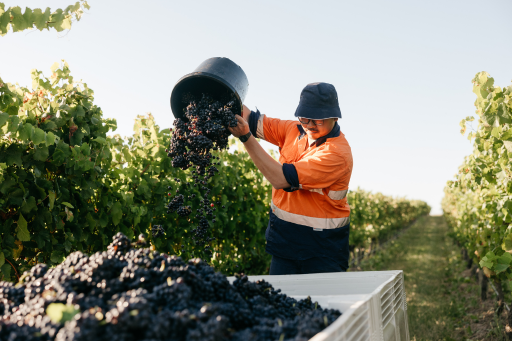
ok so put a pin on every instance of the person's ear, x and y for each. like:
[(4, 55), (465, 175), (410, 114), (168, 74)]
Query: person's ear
[(335, 119)]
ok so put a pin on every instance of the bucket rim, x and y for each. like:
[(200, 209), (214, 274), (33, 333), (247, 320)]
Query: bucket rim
[(202, 74)]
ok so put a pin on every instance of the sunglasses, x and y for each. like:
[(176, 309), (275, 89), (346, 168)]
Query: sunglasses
[(306, 121)]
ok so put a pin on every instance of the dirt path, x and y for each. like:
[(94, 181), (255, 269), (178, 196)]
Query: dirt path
[(443, 303)]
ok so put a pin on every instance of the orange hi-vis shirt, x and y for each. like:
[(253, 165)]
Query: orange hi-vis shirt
[(311, 218), (323, 168)]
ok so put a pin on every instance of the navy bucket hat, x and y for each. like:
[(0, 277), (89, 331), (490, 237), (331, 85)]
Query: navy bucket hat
[(318, 101)]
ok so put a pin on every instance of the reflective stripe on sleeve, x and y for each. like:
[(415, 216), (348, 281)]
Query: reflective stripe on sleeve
[(259, 131), (337, 195), (316, 223)]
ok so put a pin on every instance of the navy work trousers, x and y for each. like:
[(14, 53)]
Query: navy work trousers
[(283, 266)]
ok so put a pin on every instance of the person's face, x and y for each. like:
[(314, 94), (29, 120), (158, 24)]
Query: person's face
[(315, 131)]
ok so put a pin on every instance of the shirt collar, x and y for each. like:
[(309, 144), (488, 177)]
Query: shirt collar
[(335, 132)]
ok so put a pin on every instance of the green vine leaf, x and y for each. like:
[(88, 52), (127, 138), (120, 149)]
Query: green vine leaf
[(3, 119), (61, 313), (117, 213), (50, 139), (28, 205), (67, 204), (57, 257), (40, 18), (6, 271), (41, 154), (501, 268), (51, 197), (22, 231)]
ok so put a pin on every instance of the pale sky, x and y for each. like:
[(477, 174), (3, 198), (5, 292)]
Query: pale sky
[(402, 69)]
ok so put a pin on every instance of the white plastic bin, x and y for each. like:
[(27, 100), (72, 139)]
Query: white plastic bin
[(372, 303)]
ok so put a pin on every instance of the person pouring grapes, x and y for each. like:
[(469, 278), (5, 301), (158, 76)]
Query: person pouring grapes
[(309, 225)]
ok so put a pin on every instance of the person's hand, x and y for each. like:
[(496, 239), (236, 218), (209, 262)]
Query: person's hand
[(241, 129)]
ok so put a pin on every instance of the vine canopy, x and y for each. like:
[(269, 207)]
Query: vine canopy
[(60, 19)]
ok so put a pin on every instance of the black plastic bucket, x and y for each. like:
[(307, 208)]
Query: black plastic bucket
[(216, 77)]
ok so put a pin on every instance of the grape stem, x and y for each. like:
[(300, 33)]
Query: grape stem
[(15, 271), (145, 169), (43, 199)]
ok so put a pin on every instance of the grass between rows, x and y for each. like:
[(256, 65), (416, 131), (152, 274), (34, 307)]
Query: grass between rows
[(443, 299)]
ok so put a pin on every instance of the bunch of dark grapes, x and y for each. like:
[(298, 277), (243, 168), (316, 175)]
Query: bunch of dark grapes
[(191, 144), (177, 205), (126, 294), (120, 244), (157, 231)]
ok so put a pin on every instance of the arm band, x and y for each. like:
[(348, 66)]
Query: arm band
[(253, 122), (291, 176)]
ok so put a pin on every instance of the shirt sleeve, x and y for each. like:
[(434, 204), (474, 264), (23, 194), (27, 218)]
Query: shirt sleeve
[(276, 130), (320, 170)]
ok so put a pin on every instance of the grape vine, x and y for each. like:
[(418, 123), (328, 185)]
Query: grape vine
[(478, 203), (66, 186), (60, 19), (375, 217)]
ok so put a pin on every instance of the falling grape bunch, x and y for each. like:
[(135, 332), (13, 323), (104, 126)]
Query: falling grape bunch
[(191, 144), (132, 293)]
